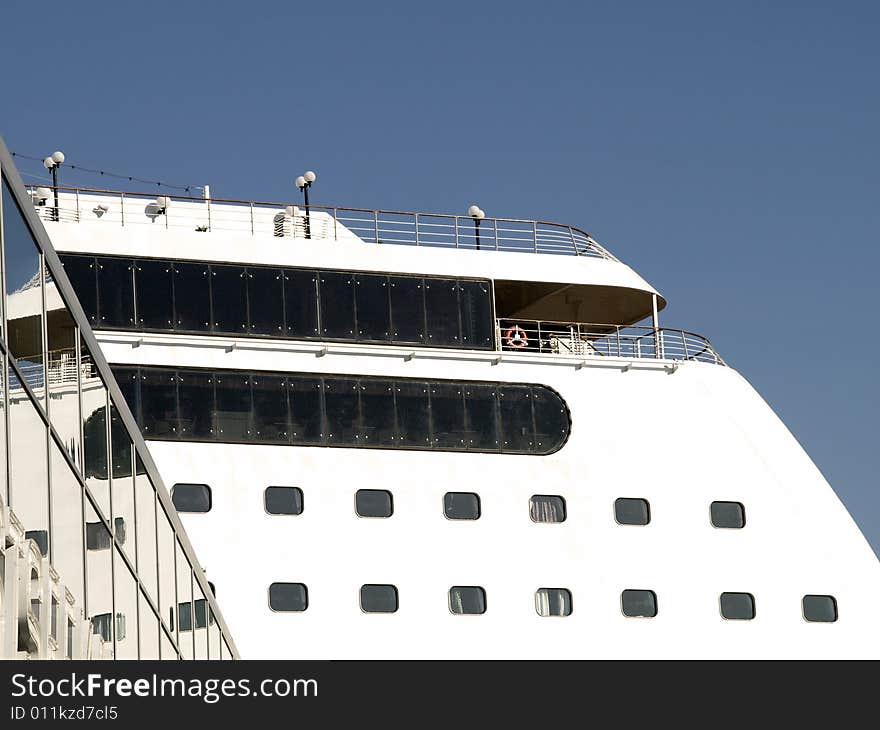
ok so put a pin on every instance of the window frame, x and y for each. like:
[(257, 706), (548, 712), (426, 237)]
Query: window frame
[(193, 512), (302, 504)]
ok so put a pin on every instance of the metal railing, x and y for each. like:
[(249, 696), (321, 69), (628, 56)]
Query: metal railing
[(603, 340), (334, 223), (60, 369)]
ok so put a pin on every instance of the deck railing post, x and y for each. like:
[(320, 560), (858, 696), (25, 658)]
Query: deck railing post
[(684, 346), (535, 234), (416, 219), (495, 231), (122, 208), (252, 218), (335, 218), (456, 231), (617, 328), (376, 224), (573, 242)]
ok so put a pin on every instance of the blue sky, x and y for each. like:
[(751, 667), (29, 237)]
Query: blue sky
[(728, 151)]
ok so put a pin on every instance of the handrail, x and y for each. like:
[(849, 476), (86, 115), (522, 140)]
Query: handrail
[(325, 222)]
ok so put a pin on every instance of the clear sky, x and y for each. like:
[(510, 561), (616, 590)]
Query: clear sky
[(730, 152)]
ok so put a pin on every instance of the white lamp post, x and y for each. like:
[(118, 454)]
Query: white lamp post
[(477, 214), (52, 163), (304, 182)]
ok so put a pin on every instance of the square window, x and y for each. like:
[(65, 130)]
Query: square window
[(283, 500), (41, 537), (288, 597), (630, 511), (728, 515), (191, 497), (547, 508), (377, 598), (467, 600), (638, 603), (373, 503), (738, 606), (820, 609), (461, 506), (553, 602)]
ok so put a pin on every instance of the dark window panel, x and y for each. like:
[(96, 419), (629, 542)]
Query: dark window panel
[(377, 425), (158, 390), (547, 508), (305, 396), (820, 608), (553, 602), (467, 600), (97, 537), (481, 413), (551, 420), (265, 288), (441, 312), (271, 419), (517, 428), (407, 309), (461, 506), (128, 380), (477, 323), (378, 598), (191, 497), (41, 537), (373, 307), (729, 515), (637, 603), (95, 442), (195, 394), (373, 503), (115, 293), (154, 288), (233, 409), (120, 446), (229, 299), (447, 416), (83, 274), (283, 500), (632, 511), (337, 305), (301, 303), (413, 414), (737, 606), (288, 597), (192, 298), (341, 409)]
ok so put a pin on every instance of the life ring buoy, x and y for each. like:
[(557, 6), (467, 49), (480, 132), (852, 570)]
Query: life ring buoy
[(516, 337)]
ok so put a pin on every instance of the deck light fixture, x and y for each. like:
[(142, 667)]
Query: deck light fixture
[(163, 202), (52, 163), (304, 182), (477, 214)]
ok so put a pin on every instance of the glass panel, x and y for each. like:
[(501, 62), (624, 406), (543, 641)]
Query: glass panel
[(232, 414), (477, 325), (407, 309), (94, 413), (413, 414), (83, 274), (148, 625), (192, 297), (729, 515), (154, 284), (304, 396), (283, 500), (191, 497), (288, 597), (373, 503), (122, 485), (265, 289), (377, 425), (337, 305), (115, 293), (126, 607), (269, 395), (632, 511), (461, 506), (516, 418), (373, 307), (184, 603), (341, 408), (467, 600), (128, 381), (481, 411), (24, 298), (67, 526), (62, 372), (638, 603), (195, 392), (167, 584), (378, 598), (441, 312), (553, 602), (301, 303), (28, 463), (820, 608), (4, 486), (145, 518), (200, 617), (99, 587), (547, 508), (229, 299), (737, 606), (167, 647), (447, 416), (551, 420), (215, 640), (159, 404)]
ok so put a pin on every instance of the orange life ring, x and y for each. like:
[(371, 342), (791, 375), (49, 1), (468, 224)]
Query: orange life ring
[(516, 337)]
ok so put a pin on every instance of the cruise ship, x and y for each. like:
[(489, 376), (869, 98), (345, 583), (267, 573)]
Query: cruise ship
[(401, 435)]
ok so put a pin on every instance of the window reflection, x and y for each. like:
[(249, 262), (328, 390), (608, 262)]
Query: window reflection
[(94, 415), (99, 577), (166, 551), (62, 372), (148, 629), (145, 507), (125, 595), (67, 525), (184, 599), (122, 484)]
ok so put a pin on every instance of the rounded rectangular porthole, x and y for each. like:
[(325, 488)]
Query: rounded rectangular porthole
[(469, 600), (373, 503), (737, 606), (283, 500), (547, 508), (636, 603), (632, 511), (820, 609), (553, 602), (378, 598), (191, 497), (285, 597), (461, 506), (728, 515)]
